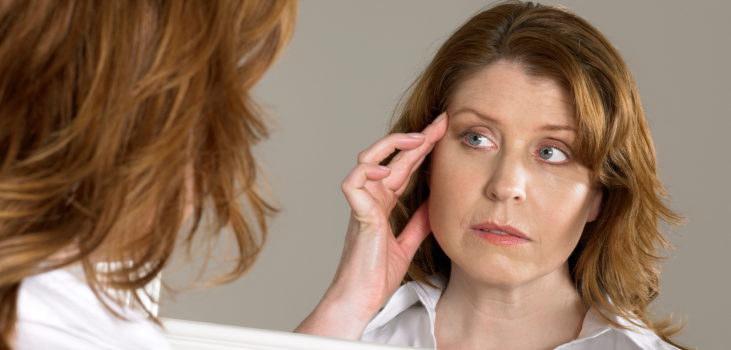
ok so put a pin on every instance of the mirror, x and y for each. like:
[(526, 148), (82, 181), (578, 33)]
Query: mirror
[(332, 95)]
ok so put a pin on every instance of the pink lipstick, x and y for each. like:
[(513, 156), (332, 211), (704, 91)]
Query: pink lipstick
[(497, 234)]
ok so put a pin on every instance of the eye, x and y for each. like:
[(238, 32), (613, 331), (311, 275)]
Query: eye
[(552, 154), (477, 140)]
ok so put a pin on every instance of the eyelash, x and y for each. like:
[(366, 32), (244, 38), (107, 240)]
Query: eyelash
[(567, 154), (464, 134)]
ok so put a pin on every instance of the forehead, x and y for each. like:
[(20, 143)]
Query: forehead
[(505, 93)]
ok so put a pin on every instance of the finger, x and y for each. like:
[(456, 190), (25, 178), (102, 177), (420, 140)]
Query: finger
[(415, 231), (354, 185), (406, 162), (362, 173), (402, 167), (434, 132), (439, 128), (413, 169), (387, 145)]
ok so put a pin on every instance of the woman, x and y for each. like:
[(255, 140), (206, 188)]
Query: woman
[(119, 119), (533, 223)]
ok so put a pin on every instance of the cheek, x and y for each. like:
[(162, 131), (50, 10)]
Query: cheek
[(561, 201), (560, 212), (438, 186), (456, 186), (445, 183)]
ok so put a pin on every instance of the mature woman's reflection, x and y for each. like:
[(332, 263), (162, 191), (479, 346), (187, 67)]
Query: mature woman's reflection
[(540, 191)]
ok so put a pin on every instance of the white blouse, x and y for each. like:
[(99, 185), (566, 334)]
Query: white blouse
[(408, 320), (57, 311)]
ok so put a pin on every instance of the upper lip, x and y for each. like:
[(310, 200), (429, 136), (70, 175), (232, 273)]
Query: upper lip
[(495, 227)]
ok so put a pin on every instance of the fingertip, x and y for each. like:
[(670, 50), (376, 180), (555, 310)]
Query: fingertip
[(441, 128), (437, 128), (445, 120), (439, 118)]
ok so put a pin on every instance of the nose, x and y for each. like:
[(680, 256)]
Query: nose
[(507, 181)]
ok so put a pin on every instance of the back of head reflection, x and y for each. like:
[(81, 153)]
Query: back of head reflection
[(119, 119)]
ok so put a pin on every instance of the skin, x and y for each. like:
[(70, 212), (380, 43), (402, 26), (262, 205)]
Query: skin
[(509, 296), (499, 296), (374, 261)]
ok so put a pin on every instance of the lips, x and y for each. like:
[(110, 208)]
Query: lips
[(506, 231)]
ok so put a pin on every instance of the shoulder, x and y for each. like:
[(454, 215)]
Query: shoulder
[(597, 334), (617, 339), (643, 338), (55, 310), (640, 337)]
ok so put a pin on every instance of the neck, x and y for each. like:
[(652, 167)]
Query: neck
[(540, 314)]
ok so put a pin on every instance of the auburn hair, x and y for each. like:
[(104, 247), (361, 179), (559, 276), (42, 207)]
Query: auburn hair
[(117, 117), (616, 264)]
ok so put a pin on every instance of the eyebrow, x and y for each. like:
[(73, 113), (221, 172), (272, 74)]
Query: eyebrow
[(554, 127), (547, 127), (480, 115)]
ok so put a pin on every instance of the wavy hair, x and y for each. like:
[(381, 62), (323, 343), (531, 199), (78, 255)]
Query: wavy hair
[(616, 264), (105, 106)]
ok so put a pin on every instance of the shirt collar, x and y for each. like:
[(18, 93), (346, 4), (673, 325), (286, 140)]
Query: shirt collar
[(412, 292), (406, 296)]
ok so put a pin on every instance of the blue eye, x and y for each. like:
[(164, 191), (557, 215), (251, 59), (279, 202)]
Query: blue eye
[(477, 140), (552, 154)]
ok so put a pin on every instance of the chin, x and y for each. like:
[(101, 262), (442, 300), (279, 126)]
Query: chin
[(486, 263), (494, 270)]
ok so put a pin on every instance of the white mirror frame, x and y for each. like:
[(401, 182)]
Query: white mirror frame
[(189, 335)]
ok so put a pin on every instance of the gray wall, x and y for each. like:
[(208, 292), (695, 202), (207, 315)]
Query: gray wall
[(332, 96)]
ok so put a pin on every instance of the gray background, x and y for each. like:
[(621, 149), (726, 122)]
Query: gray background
[(333, 93)]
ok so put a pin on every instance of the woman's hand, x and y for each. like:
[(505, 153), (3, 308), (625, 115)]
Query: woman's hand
[(374, 261)]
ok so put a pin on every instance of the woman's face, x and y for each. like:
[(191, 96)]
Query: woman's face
[(509, 198)]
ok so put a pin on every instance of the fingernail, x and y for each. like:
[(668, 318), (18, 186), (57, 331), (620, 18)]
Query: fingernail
[(416, 135), (384, 167), (439, 118)]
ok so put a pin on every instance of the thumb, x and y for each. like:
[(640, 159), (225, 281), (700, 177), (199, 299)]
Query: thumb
[(415, 231)]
